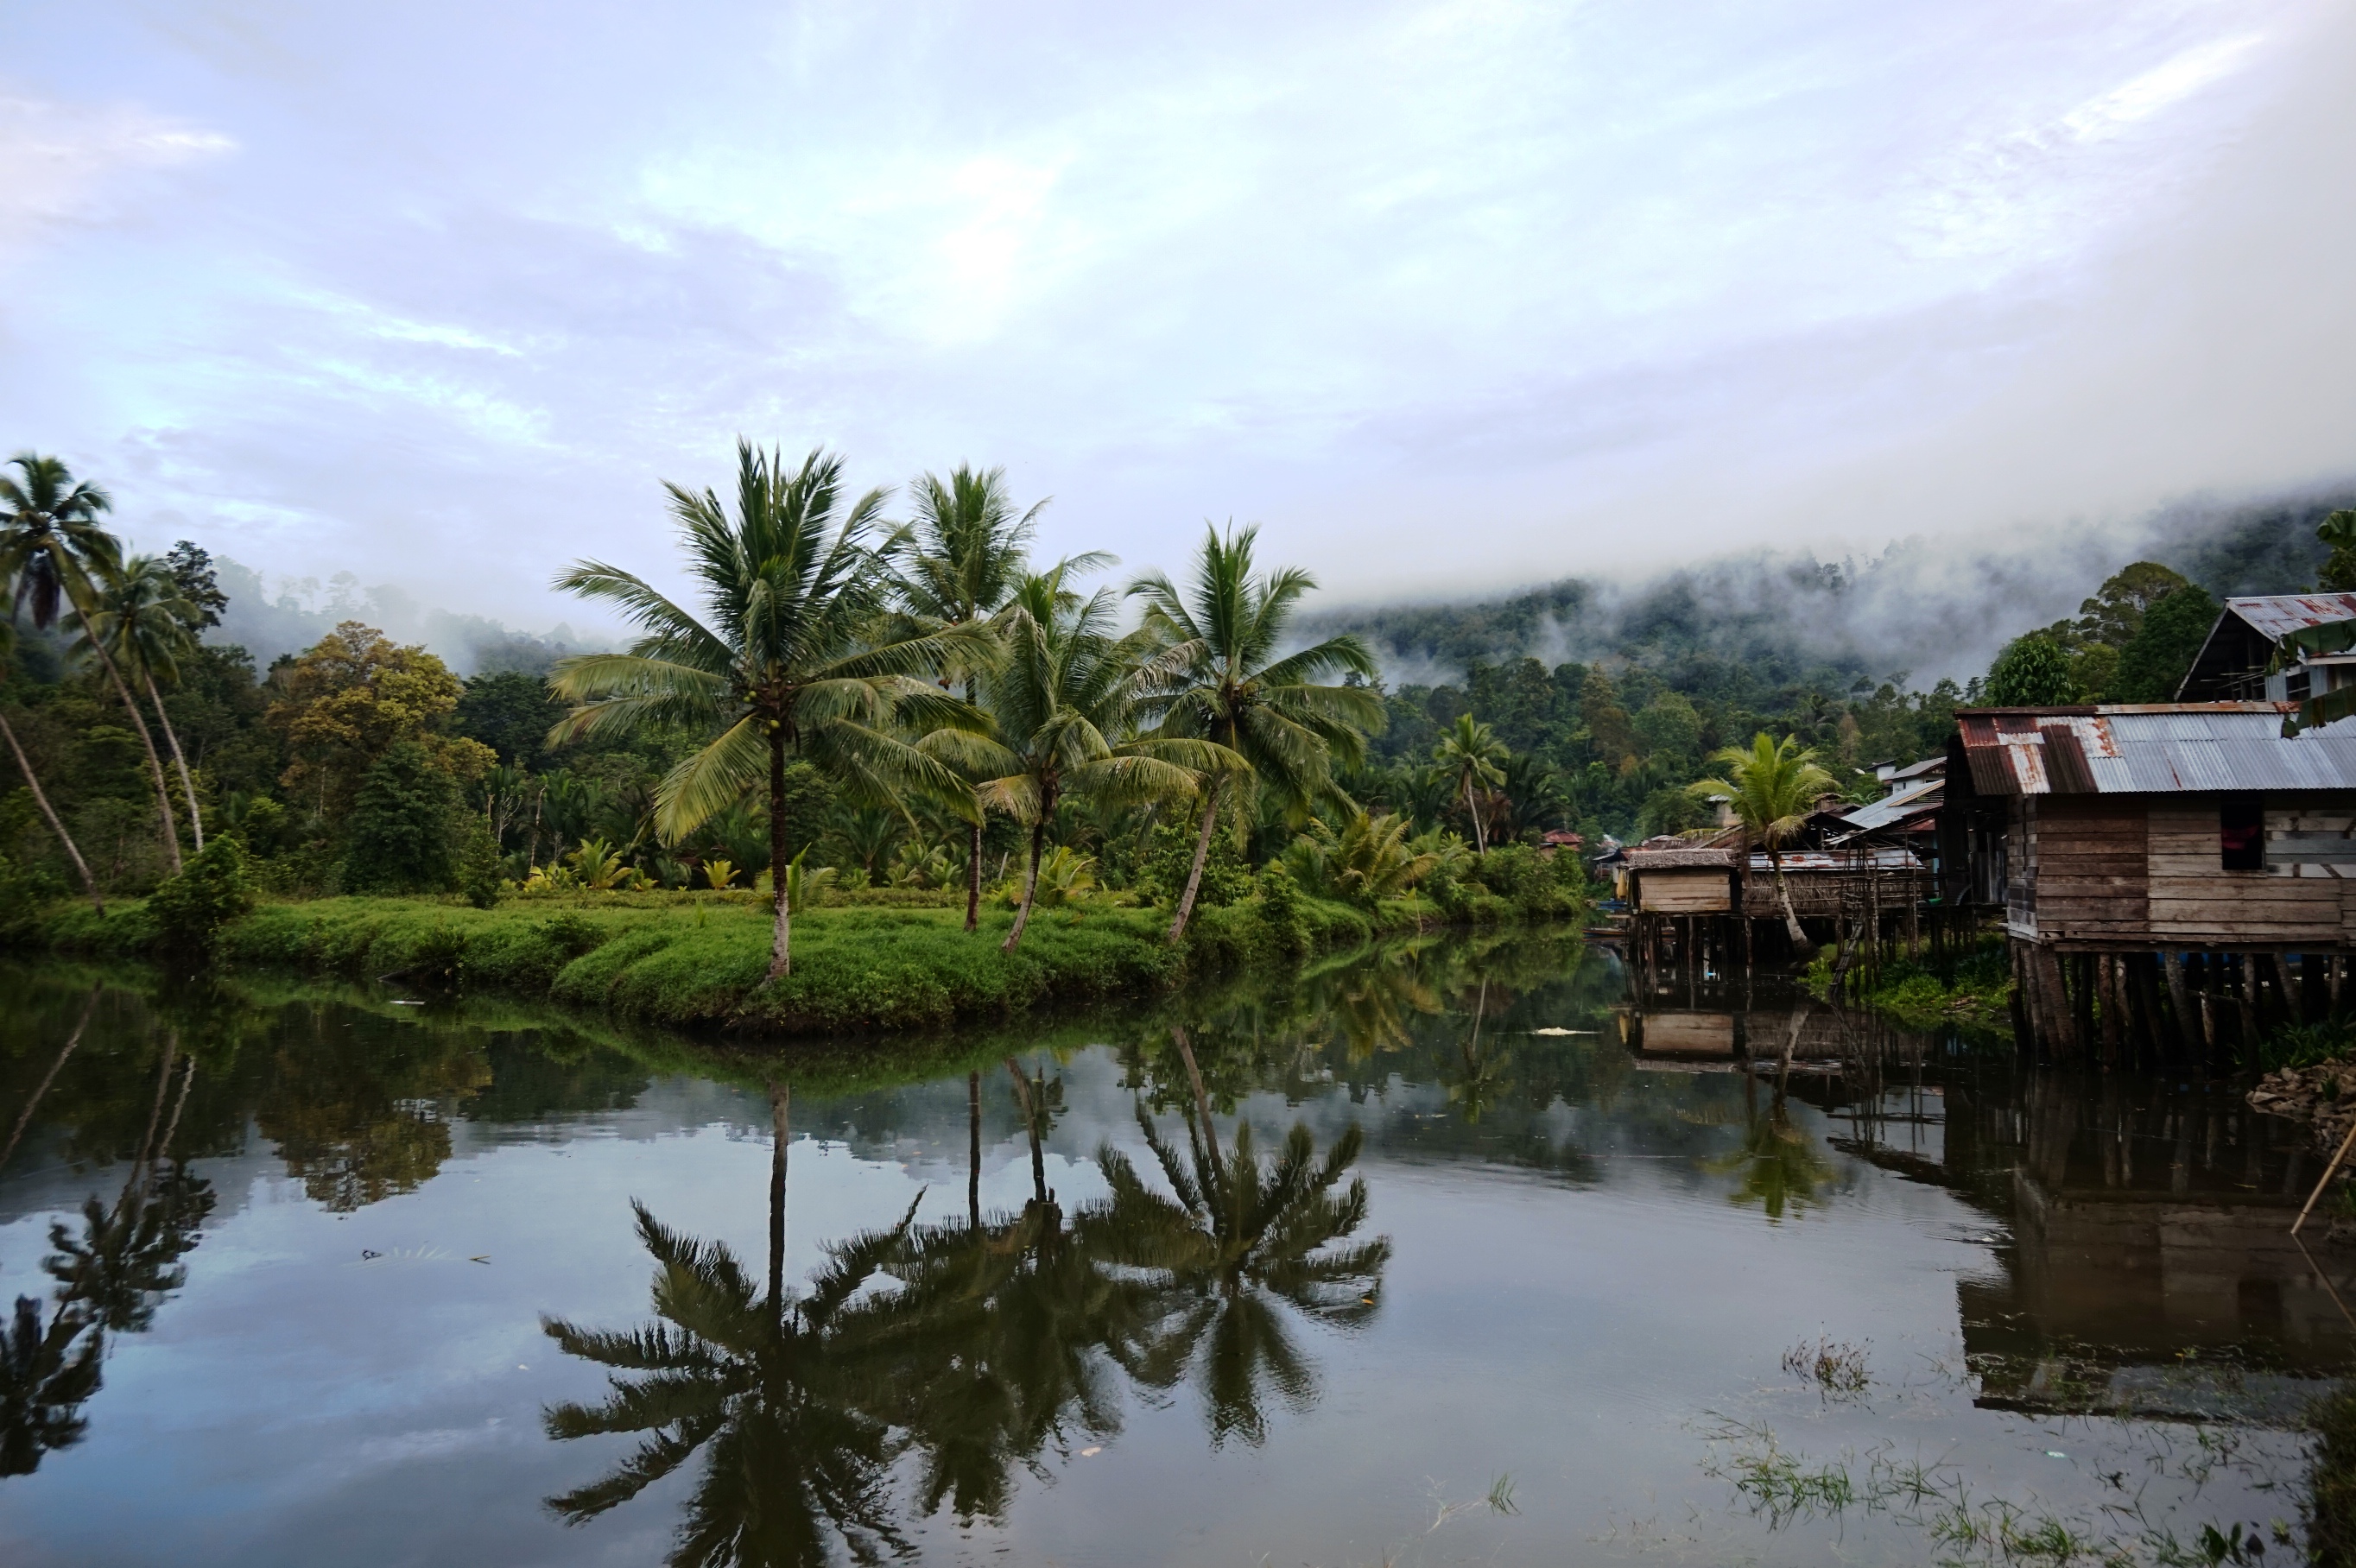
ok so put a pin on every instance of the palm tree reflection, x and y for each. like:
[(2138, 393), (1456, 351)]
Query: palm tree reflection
[(1235, 1243), (1781, 1166), (977, 1347)]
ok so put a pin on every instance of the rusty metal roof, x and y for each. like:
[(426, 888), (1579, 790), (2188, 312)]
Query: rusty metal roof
[(2178, 748), (2276, 615)]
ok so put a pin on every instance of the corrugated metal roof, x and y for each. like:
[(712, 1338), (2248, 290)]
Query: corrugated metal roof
[(2190, 748), (1896, 807), (2276, 615)]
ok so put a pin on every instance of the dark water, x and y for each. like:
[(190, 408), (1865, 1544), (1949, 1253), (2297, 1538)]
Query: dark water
[(287, 1254)]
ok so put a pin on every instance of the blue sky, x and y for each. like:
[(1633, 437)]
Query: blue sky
[(1448, 296)]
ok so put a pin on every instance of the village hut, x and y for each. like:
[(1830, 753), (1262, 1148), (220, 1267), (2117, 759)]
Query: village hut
[(2189, 850), (2239, 662)]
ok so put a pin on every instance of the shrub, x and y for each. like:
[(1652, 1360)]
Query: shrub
[(23, 890), (481, 875), (1280, 909), (214, 888)]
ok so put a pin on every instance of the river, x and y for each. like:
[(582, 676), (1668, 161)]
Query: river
[(1548, 1273)]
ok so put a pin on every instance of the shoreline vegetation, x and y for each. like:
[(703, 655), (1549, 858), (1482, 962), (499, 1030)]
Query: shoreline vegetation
[(878, 960)]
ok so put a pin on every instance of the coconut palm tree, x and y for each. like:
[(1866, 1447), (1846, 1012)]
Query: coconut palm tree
[(784, 660), (1474, 761), (1218, 678), (51, 547), (1064, 700), (1771, 788), (966, 551), (148, 623), (33, 780)]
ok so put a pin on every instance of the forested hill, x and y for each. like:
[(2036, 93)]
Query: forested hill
[(1778, 618), (1611, 699)]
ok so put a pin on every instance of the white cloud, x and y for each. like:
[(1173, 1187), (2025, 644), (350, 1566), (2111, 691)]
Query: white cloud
[(58, 162)]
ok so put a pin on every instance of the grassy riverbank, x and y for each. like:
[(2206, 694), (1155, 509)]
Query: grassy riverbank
[(1970, 990), (700, 960)]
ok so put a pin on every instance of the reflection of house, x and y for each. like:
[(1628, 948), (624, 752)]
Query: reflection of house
[(2109, 835)]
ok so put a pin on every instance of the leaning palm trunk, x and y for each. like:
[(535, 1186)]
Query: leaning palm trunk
[(1194, 873), (49, 815), (1472, 810), (154, 762), (1800, 942), (1030, 885), (180, 761), (781, 948)]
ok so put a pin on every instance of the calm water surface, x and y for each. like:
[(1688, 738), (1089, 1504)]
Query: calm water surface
[(286, 1256)]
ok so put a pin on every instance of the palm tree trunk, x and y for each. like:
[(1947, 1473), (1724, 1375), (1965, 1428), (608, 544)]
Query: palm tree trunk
[(973, 878), (154, 763), (781, 951), (781, 1105), (1194, 874), (1800, 944), (25, 1117), (973, 1149), (1030, 880), (49, 815), (1480, 830), (180, 761)]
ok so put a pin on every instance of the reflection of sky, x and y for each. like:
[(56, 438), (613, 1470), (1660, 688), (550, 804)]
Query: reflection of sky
[(295, 1404), (345, 287)]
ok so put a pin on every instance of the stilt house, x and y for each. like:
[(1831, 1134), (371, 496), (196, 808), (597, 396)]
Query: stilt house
[(2177, 868)]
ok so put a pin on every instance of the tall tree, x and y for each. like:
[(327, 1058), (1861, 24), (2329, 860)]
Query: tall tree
[(1219, 678), (784, 660), (1474, 761), (1064, 698), (50, 546), (149, 624), (33, 780), (967, 552), (1771, 788)]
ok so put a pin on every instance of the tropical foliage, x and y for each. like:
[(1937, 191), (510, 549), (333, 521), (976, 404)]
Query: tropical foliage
[(905, 713)]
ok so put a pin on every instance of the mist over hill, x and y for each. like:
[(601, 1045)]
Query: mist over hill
[(1922, 609), (274, 617)]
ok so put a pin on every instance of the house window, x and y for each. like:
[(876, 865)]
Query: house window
[(2295, 687), (2241, 832)]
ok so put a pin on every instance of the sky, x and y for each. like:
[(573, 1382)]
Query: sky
[(1448, 297)]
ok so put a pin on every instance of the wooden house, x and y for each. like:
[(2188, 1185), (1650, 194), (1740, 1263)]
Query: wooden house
[(2115, 841), (2237, 662)]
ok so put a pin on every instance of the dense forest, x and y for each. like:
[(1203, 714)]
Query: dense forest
[(972, 725), (1657, 680)]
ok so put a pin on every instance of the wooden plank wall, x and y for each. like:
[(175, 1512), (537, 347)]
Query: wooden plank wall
[(2196, 901), (2091, 867), (1696, 891)]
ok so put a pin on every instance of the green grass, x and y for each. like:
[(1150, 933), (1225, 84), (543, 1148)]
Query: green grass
[(699, 961)]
